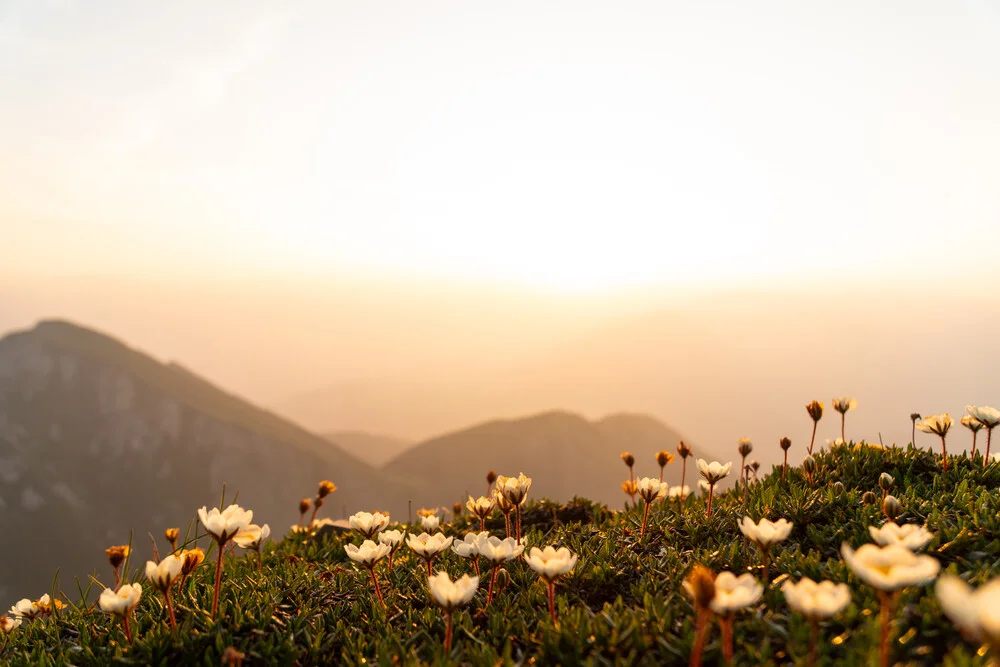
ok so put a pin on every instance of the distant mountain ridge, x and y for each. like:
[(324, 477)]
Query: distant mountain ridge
[(372, 448), (97, 438), (564, 454)]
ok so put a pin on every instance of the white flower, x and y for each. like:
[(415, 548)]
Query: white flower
[(971, 423), (551, 563), (252, 536), (844, 404), (651, 489), (9, 623), (514, 489), (430, 523), (937, 424), (816, 600), (733, 593), (911, 536), (714, 471), (393, 538), (452, 594), (975, 612), (469, 547), (25, 608), (162, 575), (680, 491), (890, 568), (428, 546), (224, 525), (496, 550), (369, 524), (482, 506), (368, 553), (766, 533), (122, 602), (984, 414)]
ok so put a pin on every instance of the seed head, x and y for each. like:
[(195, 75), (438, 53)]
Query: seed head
[(304, 505), (628, 459), (745, 447), (785, 443), (491, 477), (326, 487), (755, 464), (684, 450), (700, 585), (914, 416), (663, 457), (815, 410)]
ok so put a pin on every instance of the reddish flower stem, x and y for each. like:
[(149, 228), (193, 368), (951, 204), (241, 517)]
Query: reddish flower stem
[(944, 454), (813, 641), (552, 600), (684, 469), (700, 634), (378, 591), (711, 492), (218, 579), (645, 520), (447, 631), (518, 510), (784, 466), (989, 436), (812, 440), (726, 622), (170, 609), (885, 600), (128, 629), (482, 524)]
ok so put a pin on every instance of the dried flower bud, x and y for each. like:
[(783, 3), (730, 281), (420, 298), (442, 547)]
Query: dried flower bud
[(304, 505), (630, 487), (755, 464), (192, 559), (117, 555), (868, 498), (885, 481), (745, 447), (815, 410), (456, 509), (785, 443), (628, 459), (491, 477), (684, 450), (663, 457), (326, 487), (892, 508), (172, 534), (808, 465), (914, 416), (838, 488), (700, 585)]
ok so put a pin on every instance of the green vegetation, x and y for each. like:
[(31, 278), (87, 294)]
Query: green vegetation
[(623, 603)]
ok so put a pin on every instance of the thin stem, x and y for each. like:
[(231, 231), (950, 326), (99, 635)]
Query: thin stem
[(843, 419), (170, 609), (727, 636), (766, 558), (813, 439), (711, 492), (447, 630), (552, 600), (378, 591), (118, 578), (989, 436), (944, 454), (661, 474), (482, 524), (645, 519), (429, 562), (128, 629), (392, 552), (913, 434), (743, 471), (493, 578), (506, 522), (475, 564), (218, 579), (784, 466), (813, 640), (974, 434), (885, 600), (518, 510), (700, 634)]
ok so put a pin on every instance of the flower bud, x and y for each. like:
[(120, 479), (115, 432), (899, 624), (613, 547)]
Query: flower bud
[(815, 410), (745, 447), (456, 509), (892, 508), (172, 534), (838, 488), (491, 477), (755, 464), (663, 457), (885, 481), (868, 498), (808, 465), (684, 450), (785, 443), (326, 487), (628, 459), (630, 487), (914, 416), (117, 554), (304, 505), (700, 585), (192, 559)]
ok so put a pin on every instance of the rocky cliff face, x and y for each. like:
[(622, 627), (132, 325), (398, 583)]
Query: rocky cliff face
[(97, 439)]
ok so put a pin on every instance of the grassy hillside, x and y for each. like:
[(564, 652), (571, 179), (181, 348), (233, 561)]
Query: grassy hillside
[(565, 454), (623, 602)]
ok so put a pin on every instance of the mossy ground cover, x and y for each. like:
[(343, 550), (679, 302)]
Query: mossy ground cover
[(624, 602)]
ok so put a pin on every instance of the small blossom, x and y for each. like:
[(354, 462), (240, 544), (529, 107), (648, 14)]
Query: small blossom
[(714, 472), (551, 563), (224, 525), (985, 415), (700, 585), (514, 489), (393, 538), (9, 623), (430, 523), (25, 609), (117, 554), (844, 404), (450, 594), (191, 558), (937, 424), (815, 410), (163, 574), (971, 423), (428, 545), (890, 568), (664, 458), (369, 524), (368, 554), (326, 487), (469, 546), (120, 602), (650, 489), (733, 593), (911, 536), (681, 492), (816, 600), (496, 550), (481, 507), (766, 533), (683, 450), (745, 446), (975, 612), (252, 536)]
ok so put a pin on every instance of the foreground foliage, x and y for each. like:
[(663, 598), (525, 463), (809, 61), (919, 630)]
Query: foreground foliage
[(624, 602)]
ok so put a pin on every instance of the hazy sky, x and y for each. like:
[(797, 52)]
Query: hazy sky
[(569, 145)]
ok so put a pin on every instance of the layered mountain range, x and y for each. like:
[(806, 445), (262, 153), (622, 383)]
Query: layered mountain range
[(101, 443)]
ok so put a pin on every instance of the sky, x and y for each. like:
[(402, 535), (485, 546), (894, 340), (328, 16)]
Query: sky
[(571, 146), (422, 204)]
